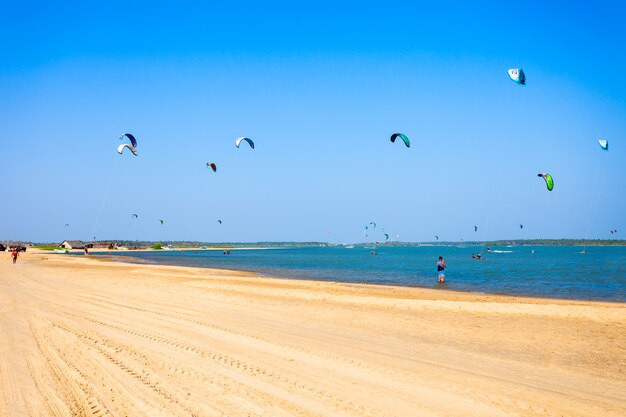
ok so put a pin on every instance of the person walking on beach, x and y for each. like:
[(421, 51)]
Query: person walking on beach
[(441, 266), (14, 254)]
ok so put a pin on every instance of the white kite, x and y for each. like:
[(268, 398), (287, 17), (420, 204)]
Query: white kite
[(120, 149), (604, 144), (239, 140), (517, 75)]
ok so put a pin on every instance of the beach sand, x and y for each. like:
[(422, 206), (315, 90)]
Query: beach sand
[(86, 337)]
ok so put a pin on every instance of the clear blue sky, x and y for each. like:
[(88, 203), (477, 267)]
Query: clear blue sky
[(319, 88)]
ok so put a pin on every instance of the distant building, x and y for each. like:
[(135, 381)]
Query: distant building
[(104, 245), (72, 244), (19, 246)]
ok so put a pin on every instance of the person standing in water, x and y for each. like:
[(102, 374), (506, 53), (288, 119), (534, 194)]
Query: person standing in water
[(441, 266)]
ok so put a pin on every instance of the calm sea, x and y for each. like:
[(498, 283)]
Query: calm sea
[(551, 271)]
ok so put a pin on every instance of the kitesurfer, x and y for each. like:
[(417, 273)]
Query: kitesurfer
[(441, 266)]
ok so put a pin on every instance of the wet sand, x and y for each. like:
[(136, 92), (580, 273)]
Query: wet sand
[(86, 337)]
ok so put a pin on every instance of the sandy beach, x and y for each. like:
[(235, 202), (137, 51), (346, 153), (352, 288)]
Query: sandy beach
[(86, 337)]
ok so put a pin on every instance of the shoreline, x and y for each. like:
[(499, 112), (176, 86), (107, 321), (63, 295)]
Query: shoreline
[(102, 250), (138, 261), (86, 333), (385, 290)]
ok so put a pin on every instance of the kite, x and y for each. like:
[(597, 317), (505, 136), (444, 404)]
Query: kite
[(517, 75), (402, 136), (604, 144), (120, 149), (239, 140), (132, 139), (212, 166), (548, 179), (162, 221)]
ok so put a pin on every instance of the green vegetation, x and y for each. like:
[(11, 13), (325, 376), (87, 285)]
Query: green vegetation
[(560, 242), (139, 244), (46, 247), (196, 244), (512, 242)]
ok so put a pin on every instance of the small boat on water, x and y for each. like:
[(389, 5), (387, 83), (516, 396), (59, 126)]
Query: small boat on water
[(61, 251)]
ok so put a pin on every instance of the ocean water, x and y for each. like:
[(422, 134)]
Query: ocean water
[(552, 271)]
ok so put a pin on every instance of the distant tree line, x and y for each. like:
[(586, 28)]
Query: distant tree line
[(137, 244)]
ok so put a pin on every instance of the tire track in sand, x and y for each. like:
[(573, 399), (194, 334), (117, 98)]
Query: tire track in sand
[(238, 368)]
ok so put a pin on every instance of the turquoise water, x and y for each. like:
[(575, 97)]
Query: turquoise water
[(552, 271)]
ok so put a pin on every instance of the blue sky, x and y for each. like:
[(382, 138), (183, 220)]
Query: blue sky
[(319, 88)]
